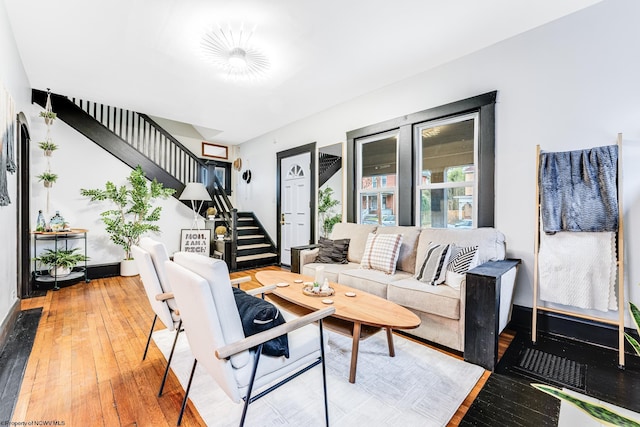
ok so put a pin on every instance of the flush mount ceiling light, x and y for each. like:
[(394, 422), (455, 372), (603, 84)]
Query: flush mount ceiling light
[(232, 52)]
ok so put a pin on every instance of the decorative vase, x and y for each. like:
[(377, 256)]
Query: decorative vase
[(47, 153), (41, 225), (48, 184), (128, 267), (57, 222)]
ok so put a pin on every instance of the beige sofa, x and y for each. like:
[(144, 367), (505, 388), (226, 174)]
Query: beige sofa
[(441, 308)]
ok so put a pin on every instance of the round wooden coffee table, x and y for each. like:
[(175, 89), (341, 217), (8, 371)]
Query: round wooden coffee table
[(358, 316)]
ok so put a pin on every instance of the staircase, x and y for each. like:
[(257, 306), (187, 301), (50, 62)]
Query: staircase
[(136, 139), (329, 164), (254, 247)]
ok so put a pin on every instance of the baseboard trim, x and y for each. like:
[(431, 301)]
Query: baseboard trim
[(9, 322), (569, 327)]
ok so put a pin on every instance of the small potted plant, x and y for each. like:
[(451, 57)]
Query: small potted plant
[(49, 116), (48, 178), (60, 262), (48, 147), (221, 231)]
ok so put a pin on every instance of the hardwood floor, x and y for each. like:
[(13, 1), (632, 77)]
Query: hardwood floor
[(86, 365)]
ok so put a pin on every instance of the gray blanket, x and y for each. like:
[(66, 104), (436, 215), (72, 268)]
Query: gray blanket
[(578, 190)]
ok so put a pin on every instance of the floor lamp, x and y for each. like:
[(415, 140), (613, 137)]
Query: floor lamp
[(195, 191)]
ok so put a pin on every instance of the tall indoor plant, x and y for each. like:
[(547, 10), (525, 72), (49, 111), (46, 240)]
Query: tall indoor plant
[(133, 214), (326, 205)]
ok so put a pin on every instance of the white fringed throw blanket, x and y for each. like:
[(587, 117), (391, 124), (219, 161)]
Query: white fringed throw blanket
[(578, 269)]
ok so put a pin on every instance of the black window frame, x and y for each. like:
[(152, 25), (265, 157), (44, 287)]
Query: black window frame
[(408, 148)]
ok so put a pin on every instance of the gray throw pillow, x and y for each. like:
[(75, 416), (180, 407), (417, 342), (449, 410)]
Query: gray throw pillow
[(333, 251)]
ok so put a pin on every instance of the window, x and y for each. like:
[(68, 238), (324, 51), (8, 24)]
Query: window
[(377, 170), (444, 172), (446, 181)]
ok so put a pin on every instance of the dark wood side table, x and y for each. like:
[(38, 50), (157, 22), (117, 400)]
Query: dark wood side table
[(295, 256), (482, 312)]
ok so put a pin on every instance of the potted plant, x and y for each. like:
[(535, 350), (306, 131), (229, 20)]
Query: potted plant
[(48, 178), (49, 116), (48, 147), (133, 214), (326, 205), (60, 262), (220, 231)]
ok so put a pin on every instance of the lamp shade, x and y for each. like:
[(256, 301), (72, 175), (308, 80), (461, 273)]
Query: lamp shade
[(195, 191)]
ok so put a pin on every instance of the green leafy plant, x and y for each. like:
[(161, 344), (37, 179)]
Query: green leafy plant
[(326, 205), (48, 177), (47, 146), (48, 115), (134, 214), (61, 258), (635, 314)]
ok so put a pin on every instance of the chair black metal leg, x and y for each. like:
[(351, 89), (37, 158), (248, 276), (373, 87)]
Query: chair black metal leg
[(144, 356), (247, 399), (186, 392), (166, 370), (324, 375)]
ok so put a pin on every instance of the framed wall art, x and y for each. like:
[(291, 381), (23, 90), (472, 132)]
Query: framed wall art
[(214, 151), (195, 241)]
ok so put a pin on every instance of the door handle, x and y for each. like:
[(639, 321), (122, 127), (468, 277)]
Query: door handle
[(282, 219)]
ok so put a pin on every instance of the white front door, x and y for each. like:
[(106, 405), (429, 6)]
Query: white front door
[(295, 204)]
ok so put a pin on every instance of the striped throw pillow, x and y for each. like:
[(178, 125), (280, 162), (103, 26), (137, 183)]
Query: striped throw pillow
[(433, 269), (462, 259), (381, 252)]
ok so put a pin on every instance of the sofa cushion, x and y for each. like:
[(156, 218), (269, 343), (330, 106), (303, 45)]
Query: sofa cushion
[(381, 252), (441, 300), (462, 258), (372, 281), (454, 279), (331, 271), (407, 256), (333, 251), (490, 242), (434, 266), (358, 234)]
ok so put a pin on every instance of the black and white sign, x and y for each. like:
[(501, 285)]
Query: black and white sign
[(196, 241)]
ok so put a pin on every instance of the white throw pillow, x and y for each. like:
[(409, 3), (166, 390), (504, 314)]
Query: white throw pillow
[(433, 268), (381, 252), (454, 279)]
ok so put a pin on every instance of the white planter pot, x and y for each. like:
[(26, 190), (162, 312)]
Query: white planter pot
[(59, 271), (128, 267)]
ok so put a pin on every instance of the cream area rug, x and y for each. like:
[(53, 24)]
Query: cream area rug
[(417, 387)]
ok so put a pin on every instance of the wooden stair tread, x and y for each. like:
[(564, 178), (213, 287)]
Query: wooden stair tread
[(251, 236), (256, 256), (254, 246)]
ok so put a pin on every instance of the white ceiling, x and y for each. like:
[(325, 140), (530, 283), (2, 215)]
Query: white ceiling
[(146, 55)]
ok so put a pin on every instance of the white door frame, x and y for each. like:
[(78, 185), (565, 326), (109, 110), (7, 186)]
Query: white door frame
[(308, 148)]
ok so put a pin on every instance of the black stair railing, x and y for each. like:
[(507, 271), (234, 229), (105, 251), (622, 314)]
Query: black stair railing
[(136, 139)]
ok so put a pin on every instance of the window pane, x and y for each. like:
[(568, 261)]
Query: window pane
[(379, 163), (378, 208), (447, 152), (450, 207)]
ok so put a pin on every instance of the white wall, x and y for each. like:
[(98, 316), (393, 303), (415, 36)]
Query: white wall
[(571, 84), (14, 80), (80, 163)]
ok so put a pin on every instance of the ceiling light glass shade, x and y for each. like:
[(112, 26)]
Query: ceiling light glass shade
[(195, 191), (238, 58), (231, 52)]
